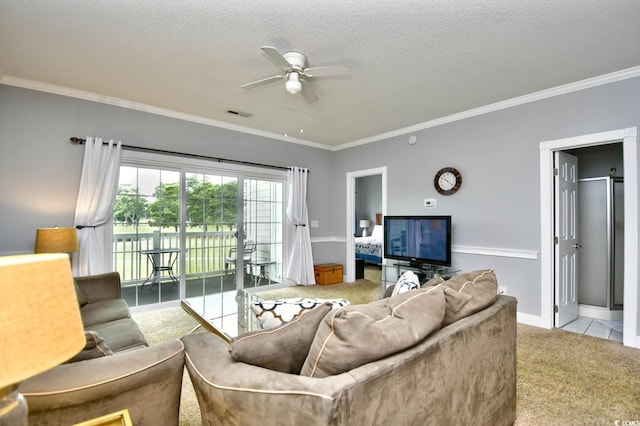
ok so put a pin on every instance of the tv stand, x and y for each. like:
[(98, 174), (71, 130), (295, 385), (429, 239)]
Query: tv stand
[(391, 271)]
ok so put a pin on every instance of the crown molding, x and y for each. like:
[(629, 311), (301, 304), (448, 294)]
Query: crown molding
[(136, 106), (520, 100)]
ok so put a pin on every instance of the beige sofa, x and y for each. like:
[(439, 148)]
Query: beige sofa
[(463, 373), (117, 370)]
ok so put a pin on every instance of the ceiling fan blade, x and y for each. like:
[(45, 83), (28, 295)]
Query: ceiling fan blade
[(276, 57), (308, 93), (330, 70), (262, 82)]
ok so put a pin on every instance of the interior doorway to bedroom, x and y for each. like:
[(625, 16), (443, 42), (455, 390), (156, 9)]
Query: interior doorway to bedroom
[(371, 185)]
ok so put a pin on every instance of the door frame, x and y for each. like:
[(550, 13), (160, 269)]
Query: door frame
[(628, 137), (350, 270)]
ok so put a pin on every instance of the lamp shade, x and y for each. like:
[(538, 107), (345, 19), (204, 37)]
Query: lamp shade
[(56, 240), (364, 223), (39, 313)]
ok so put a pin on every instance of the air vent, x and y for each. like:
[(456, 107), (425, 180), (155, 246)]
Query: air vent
[(240, 113)]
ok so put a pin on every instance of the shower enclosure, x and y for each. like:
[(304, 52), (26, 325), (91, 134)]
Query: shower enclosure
[(601, 230)]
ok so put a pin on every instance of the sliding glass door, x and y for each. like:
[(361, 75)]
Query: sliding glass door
[(147, 234), (196, 234), (212, 244)]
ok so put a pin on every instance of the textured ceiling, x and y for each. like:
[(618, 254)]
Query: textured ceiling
[(411, 61)]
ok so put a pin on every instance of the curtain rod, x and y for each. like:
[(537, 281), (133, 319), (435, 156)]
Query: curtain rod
[(80, 141)]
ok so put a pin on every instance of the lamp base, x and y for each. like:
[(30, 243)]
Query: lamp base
[(364, 232), (13, 407)]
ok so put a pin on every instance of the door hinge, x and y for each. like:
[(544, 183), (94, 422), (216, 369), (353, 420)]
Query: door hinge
[(555, 308), (555, 171), (555, 240)]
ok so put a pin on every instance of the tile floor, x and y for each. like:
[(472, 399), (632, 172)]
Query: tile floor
[(594, 327)]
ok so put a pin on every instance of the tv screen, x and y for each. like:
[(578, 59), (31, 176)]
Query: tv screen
[(418, 239)]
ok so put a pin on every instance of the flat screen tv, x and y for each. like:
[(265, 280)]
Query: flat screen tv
[(418, 239)]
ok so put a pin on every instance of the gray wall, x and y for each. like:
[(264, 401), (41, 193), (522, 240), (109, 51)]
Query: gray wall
[(368, 200), (40, 168), (597, 161), (497, 207)]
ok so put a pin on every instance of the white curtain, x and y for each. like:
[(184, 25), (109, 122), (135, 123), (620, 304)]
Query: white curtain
[(301, 259), (98, 187)]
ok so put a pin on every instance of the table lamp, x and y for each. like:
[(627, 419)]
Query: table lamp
[(56, 240), (364, 224), (41, 324)]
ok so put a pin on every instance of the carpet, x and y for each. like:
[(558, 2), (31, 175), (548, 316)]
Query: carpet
[(562, 377), (361, 291)]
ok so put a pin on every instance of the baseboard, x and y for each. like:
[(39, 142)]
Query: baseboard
[(528, 319), (598, 312)]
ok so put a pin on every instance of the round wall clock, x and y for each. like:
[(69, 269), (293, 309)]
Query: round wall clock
[(447, 181)]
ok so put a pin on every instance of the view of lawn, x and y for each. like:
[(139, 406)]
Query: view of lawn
[(205, 252)]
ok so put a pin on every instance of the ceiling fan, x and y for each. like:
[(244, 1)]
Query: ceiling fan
[(295, 72)]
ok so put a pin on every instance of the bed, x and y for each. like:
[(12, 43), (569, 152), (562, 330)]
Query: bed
[(370, 248)]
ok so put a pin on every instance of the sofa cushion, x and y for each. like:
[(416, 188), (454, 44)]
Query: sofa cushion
[(95, 347), (468, 293), (82, 298), (272, 313), (283, 348), (120, 334), (408, 281), (358, 334), (104, 311)]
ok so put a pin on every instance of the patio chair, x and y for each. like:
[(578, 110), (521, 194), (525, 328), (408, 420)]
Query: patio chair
[(249, 248)]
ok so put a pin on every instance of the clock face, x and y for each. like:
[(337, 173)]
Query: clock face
[(447, 181)]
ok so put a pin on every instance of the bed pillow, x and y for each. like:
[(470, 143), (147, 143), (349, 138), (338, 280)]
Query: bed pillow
[(469, 293), (272, 313), (354, 335), (377, 233), (283, 348)]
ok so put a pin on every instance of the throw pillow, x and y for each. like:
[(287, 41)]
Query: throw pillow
[(272, 313), (432, 282), (469, 293), (82, 298), (283, 348), (95, 347), (354, 335), (408, 281)]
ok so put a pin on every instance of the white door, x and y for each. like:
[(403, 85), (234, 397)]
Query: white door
[(566, 234)]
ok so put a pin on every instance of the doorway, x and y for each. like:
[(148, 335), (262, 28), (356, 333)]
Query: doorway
[(351, 212), (628, 137)]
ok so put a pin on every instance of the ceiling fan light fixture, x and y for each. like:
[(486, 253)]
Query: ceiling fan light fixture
[(293, 84)]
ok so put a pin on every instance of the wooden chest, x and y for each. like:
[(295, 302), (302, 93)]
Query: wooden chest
[(328, 273)]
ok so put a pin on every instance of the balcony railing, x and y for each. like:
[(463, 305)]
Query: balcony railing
[(205, 252)]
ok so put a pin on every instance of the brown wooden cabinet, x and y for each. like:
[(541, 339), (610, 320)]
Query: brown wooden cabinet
[(328, 273)]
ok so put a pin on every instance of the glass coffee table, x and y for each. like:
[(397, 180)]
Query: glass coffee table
[(229, 317)]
